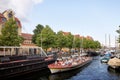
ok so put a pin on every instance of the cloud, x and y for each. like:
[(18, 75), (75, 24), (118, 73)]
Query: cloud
[(20, 7)]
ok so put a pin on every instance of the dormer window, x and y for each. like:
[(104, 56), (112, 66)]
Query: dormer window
[(10, 15)]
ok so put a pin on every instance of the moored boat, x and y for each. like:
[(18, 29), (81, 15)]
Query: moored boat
[(107, 56), (114, 63), (69, 64), (15, 65)]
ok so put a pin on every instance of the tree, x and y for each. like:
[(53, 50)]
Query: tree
[(69, 40), (60, 40), (9, 36), (46, 38), (97, 44), (118, 31), (77, 43), (37, 31)]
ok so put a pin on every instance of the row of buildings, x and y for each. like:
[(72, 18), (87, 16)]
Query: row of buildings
[(7, 14)]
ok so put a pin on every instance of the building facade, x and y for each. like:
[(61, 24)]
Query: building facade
[(6, 15)]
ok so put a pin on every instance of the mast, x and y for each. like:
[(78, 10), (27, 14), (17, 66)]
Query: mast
[(105, 40), (109, 42), (73, 46), (81, 45)]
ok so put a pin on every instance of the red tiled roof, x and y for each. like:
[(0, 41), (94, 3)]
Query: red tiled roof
[(26, 36), (66, 33), (78, 36), (19, 23), (81, 37), (1, 15), (89, 37)]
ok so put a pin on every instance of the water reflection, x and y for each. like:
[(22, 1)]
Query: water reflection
[(113, 72), (93, 71), (65, 75)]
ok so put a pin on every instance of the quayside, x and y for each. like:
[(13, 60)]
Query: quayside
[(15, 61)]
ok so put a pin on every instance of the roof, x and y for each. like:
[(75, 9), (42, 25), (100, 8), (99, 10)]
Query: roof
[(89, 37), (77, 36), (1, 15), (18, 21), (26, 36), (8, 10), (66, 33)]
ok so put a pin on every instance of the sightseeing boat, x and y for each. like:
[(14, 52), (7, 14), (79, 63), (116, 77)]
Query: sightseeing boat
[(68, 64), (15, 61)]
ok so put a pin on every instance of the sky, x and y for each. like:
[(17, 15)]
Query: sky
[(96, 18)]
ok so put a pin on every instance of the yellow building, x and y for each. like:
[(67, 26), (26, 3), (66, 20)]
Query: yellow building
[(6, 15)]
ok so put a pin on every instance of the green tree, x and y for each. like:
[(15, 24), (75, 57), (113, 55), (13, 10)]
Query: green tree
[(9, 36), (37, 31), (46, 38), (91, 44), (77, 42), (118, 31), (97, 44), (69, 40), (60, 39)]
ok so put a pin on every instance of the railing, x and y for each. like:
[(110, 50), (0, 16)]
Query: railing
[(14, 50)]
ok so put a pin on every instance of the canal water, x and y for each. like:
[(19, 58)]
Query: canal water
[(93, 71)]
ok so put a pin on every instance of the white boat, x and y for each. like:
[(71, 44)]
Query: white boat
[(74, 63)]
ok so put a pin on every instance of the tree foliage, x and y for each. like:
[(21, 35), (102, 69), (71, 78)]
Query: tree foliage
[(37, 31), (60, 40), (46, 37), (69, 40), (118, 31), (9, 36)]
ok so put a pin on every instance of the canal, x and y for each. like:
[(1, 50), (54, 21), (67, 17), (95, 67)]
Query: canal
[(93, 71)]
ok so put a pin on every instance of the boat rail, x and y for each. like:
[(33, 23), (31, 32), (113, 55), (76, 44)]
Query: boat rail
[(15, 50)]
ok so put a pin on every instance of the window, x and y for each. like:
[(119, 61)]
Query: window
[(3, 19), (10, 15)]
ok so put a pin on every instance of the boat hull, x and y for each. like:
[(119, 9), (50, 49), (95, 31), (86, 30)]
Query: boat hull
[(20, 67), (114, 63), (114, 68)]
